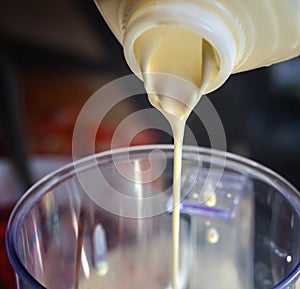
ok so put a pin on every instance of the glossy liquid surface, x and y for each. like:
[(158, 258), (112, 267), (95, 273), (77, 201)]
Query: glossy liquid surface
[(189, 64)]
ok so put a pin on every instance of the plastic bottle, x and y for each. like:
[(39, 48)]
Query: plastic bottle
[(244, 34)]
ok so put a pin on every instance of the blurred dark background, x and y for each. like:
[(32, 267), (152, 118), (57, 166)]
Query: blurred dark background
[(55, 54)]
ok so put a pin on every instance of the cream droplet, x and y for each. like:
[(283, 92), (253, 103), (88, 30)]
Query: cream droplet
[(213, 236), (211, 199)]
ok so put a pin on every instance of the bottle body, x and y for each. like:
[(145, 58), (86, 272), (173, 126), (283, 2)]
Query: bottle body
[(245, 34)]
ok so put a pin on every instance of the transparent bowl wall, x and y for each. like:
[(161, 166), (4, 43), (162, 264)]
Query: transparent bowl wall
[(240, 225)]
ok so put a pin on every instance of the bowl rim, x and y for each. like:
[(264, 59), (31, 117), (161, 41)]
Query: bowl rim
[(27, 200)]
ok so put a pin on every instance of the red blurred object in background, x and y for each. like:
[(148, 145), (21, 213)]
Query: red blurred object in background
[(7, 276), (10, 192)]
